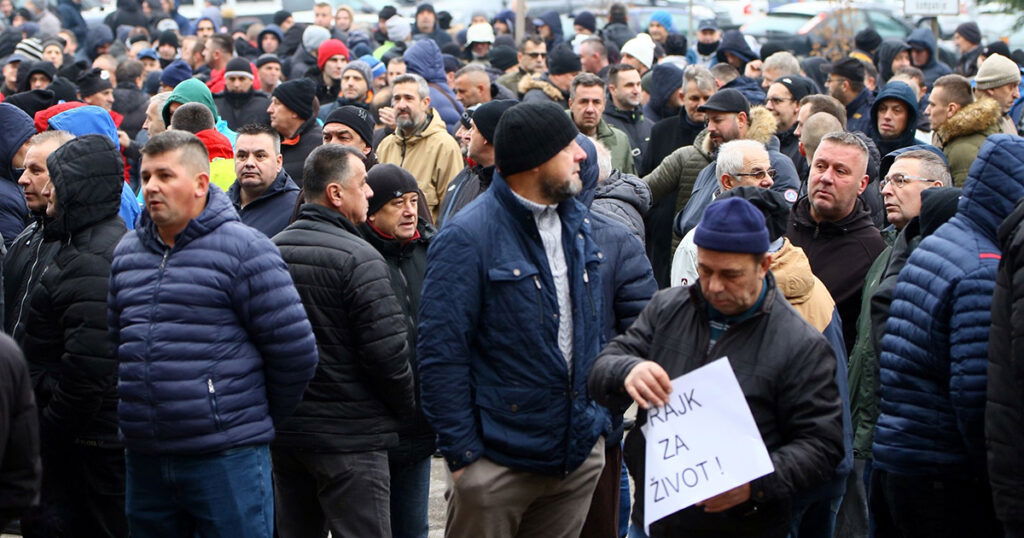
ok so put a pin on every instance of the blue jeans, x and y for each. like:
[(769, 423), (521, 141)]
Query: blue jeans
[(410, 497), (226, 494)]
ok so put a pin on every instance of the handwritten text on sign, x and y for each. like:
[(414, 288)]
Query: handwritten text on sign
[(702, 443)]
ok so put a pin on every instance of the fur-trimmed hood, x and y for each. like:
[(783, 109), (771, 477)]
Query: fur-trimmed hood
[(762, 129), (978, 117), (541, 82)]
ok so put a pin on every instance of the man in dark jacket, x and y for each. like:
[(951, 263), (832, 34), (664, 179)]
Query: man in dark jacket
[(833, 226), (129, 99), (967, 39), (625, 108), (682, 129), (28, 254), (14, 137), (664, 102), (333, 472), (1005, 402), (207, 366), (292, 111), (72, 358), (934, 362), (239, 104), (263, 193), (472, 181), (426, 25), (924, 55), (392, 227), (783, 100), (20, 468), (846, 83), (893, 118), (737, 316), (517, 324), (892, 54), (563, 66)]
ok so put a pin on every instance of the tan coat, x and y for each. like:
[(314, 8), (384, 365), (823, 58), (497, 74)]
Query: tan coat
[(962, 135), (431, 155)]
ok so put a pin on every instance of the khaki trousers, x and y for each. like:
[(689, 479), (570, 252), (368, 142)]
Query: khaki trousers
[(493, 501)]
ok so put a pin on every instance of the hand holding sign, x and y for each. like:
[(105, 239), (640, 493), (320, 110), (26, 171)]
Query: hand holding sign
[(648, 384), (703, 445)]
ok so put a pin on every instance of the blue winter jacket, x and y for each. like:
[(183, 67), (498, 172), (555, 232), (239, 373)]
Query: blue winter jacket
[(493, 381), (213, 342), (91, 119), (17, 129), (272, 211), (858, 112), (935, 348), (424, 58), (924, 38)]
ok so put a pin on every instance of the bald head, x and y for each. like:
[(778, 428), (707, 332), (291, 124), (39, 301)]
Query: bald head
[(472, 85), (814, 129)]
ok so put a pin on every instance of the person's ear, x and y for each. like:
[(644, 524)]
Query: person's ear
[(863, 183)]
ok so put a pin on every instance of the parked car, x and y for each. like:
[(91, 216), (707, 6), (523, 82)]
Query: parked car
[(640, 17), (807, 27)]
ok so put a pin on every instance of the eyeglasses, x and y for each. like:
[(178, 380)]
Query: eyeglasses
[(537, 54), (901, 180), (778, 100), (758, 174)]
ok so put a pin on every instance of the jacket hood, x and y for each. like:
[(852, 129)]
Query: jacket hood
[(885, 53), (994, 184), (270, 29), (734, 42), (762, 129), (981, 116), (100, 34), (666, 79), (17, 130), (87, 120), (938, 205), (218, 211), (217, 145), (190, 91), (589, 171), (542, 83), (88, 176), (857, 220), (793, 275), (553, 21), (923, 37), (628, 188), (424, 58), (749, 87), (890, 157), (895, 90)]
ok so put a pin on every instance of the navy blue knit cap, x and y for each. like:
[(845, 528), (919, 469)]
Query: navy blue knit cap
[(732, 225)]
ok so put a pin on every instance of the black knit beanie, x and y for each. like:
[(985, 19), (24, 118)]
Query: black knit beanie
[(563, 60), (93, 81), (297, 95), (487, 116), (530, 134), (388, 181), (356, 118), (867, 40)]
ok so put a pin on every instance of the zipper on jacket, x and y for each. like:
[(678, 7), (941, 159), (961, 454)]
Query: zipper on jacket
[(149, 333), (28, 287), (213, 401)]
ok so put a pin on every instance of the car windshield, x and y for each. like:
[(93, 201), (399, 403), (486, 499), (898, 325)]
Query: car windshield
[(780, 23)]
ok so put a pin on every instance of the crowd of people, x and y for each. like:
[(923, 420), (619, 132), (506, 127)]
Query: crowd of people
[(325, 254)]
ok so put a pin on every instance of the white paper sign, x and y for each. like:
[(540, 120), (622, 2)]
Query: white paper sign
[(702, 443)]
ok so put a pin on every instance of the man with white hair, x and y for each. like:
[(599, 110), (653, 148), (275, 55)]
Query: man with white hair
[(778, 65)]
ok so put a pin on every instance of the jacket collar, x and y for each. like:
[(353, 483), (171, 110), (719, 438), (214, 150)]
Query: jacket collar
[(282, 183), (319, 213), (571, 211)]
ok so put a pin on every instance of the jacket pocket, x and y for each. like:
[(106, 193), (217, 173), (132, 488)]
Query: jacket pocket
[(516, 293), (211, 395), (522, 421)]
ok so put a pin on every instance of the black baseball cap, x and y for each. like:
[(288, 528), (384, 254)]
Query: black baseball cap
[(850, 68), (728, 100)]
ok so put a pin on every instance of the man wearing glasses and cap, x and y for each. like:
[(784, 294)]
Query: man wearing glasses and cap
[(783, 100), (846, 83)]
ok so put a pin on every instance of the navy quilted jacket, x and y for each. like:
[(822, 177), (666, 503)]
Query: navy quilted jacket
[(494, 382), (213, 342), (935, 348)]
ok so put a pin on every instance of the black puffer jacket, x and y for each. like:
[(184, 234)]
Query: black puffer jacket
[(407, 263), (66, 336), (131, 102), (239, 109), (26, 259), (20, 468), (1004, 410), (788, 383), (363, 385)]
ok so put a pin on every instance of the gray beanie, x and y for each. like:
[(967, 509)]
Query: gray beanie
[(314, 36), (399, 28), (362, 67), (997, 70)]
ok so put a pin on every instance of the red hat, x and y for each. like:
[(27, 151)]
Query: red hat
[(331, 47)]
